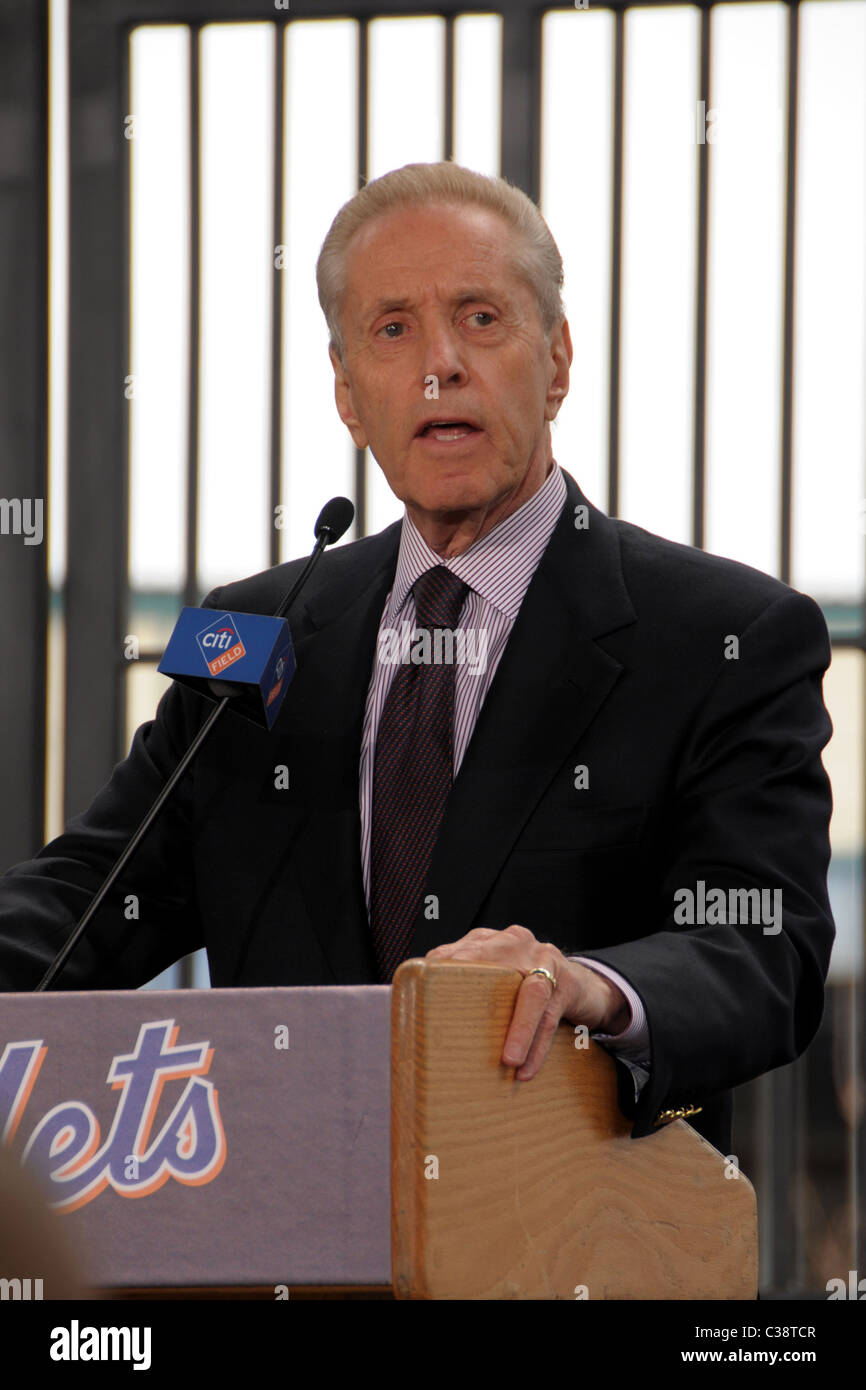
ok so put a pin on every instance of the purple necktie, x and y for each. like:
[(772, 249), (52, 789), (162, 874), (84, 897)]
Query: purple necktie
[(413, 771)]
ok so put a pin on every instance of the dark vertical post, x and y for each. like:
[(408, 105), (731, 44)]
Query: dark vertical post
[(191, 593), (616, 265), (448, 96), (277, 292), (23, 417), (699, 426), (782, 1094), (190, 588), (782, 1160), (363, 175), (790, 265), (521, 98), (98, 430)]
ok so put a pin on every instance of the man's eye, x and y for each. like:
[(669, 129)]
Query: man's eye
[(482, 314), (387, 326)]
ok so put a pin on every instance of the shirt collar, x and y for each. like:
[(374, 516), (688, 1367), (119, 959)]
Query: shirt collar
[(500, 565)]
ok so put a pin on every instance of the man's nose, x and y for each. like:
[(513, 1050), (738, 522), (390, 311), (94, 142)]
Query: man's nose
[(443, 355)]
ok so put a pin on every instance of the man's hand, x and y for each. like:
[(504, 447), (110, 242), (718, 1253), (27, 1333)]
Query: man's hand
[(581, 994)]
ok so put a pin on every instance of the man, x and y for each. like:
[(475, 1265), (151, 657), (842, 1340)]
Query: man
[(638, 816)]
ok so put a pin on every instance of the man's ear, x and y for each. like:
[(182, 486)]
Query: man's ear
[(561, 355), (345, 404)]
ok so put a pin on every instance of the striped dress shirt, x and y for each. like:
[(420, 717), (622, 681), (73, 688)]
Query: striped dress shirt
[(498, 570)]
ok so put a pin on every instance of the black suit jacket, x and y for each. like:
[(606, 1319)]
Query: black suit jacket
[(699, 767)]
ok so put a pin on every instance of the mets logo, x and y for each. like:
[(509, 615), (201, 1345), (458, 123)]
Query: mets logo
[(220, 644), (66, 1146)]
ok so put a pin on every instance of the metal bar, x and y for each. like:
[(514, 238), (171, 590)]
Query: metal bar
[(788, 331), (97, 423), (857, 1151), (277, 292), (521, 98), (448, 102), (782, 1167), (846, 1003), (699, 436), (856, 1154), (213, 11), (363, 157), (615, 268), (190, 585), (124, 594), (23, 420), (782, 1093)]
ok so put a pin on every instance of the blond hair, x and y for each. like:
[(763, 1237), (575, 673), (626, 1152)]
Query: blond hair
[(538, 260)]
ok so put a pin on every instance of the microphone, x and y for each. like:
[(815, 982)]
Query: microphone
[(335, 517), (334, 520), (247, 657)]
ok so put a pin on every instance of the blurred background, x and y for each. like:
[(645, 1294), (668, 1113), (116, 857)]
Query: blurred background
[(168, 171)]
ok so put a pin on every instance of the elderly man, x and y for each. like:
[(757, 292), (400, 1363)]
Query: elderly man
[(620, 795)]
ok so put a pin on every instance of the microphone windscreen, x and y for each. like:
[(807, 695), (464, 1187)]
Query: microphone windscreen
[(335, 517)]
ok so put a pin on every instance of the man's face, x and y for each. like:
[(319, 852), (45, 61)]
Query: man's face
[(432, 292)]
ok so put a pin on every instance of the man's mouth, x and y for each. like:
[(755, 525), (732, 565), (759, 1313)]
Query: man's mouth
[(446, 430)]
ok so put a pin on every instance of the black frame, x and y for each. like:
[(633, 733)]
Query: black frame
[(23, 416)]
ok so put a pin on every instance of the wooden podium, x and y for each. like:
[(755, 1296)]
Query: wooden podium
[(541, 1192), (252, 1129)]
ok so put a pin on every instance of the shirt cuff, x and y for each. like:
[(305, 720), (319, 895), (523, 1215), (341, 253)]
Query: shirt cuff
[(633, 1043), (639, 1075)]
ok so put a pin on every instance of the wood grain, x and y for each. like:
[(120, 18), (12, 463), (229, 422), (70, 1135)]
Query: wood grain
[(541, 1192)]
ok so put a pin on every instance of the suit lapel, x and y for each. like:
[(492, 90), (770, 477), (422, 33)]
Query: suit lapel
[(334, 649), (551, 681)]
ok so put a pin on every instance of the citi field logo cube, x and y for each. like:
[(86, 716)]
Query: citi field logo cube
[(256, 668), (220, 644)]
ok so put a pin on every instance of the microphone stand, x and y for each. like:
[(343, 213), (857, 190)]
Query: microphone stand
[(325, 535)]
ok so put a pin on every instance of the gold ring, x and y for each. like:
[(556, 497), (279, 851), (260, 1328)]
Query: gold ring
[(540, 970)]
